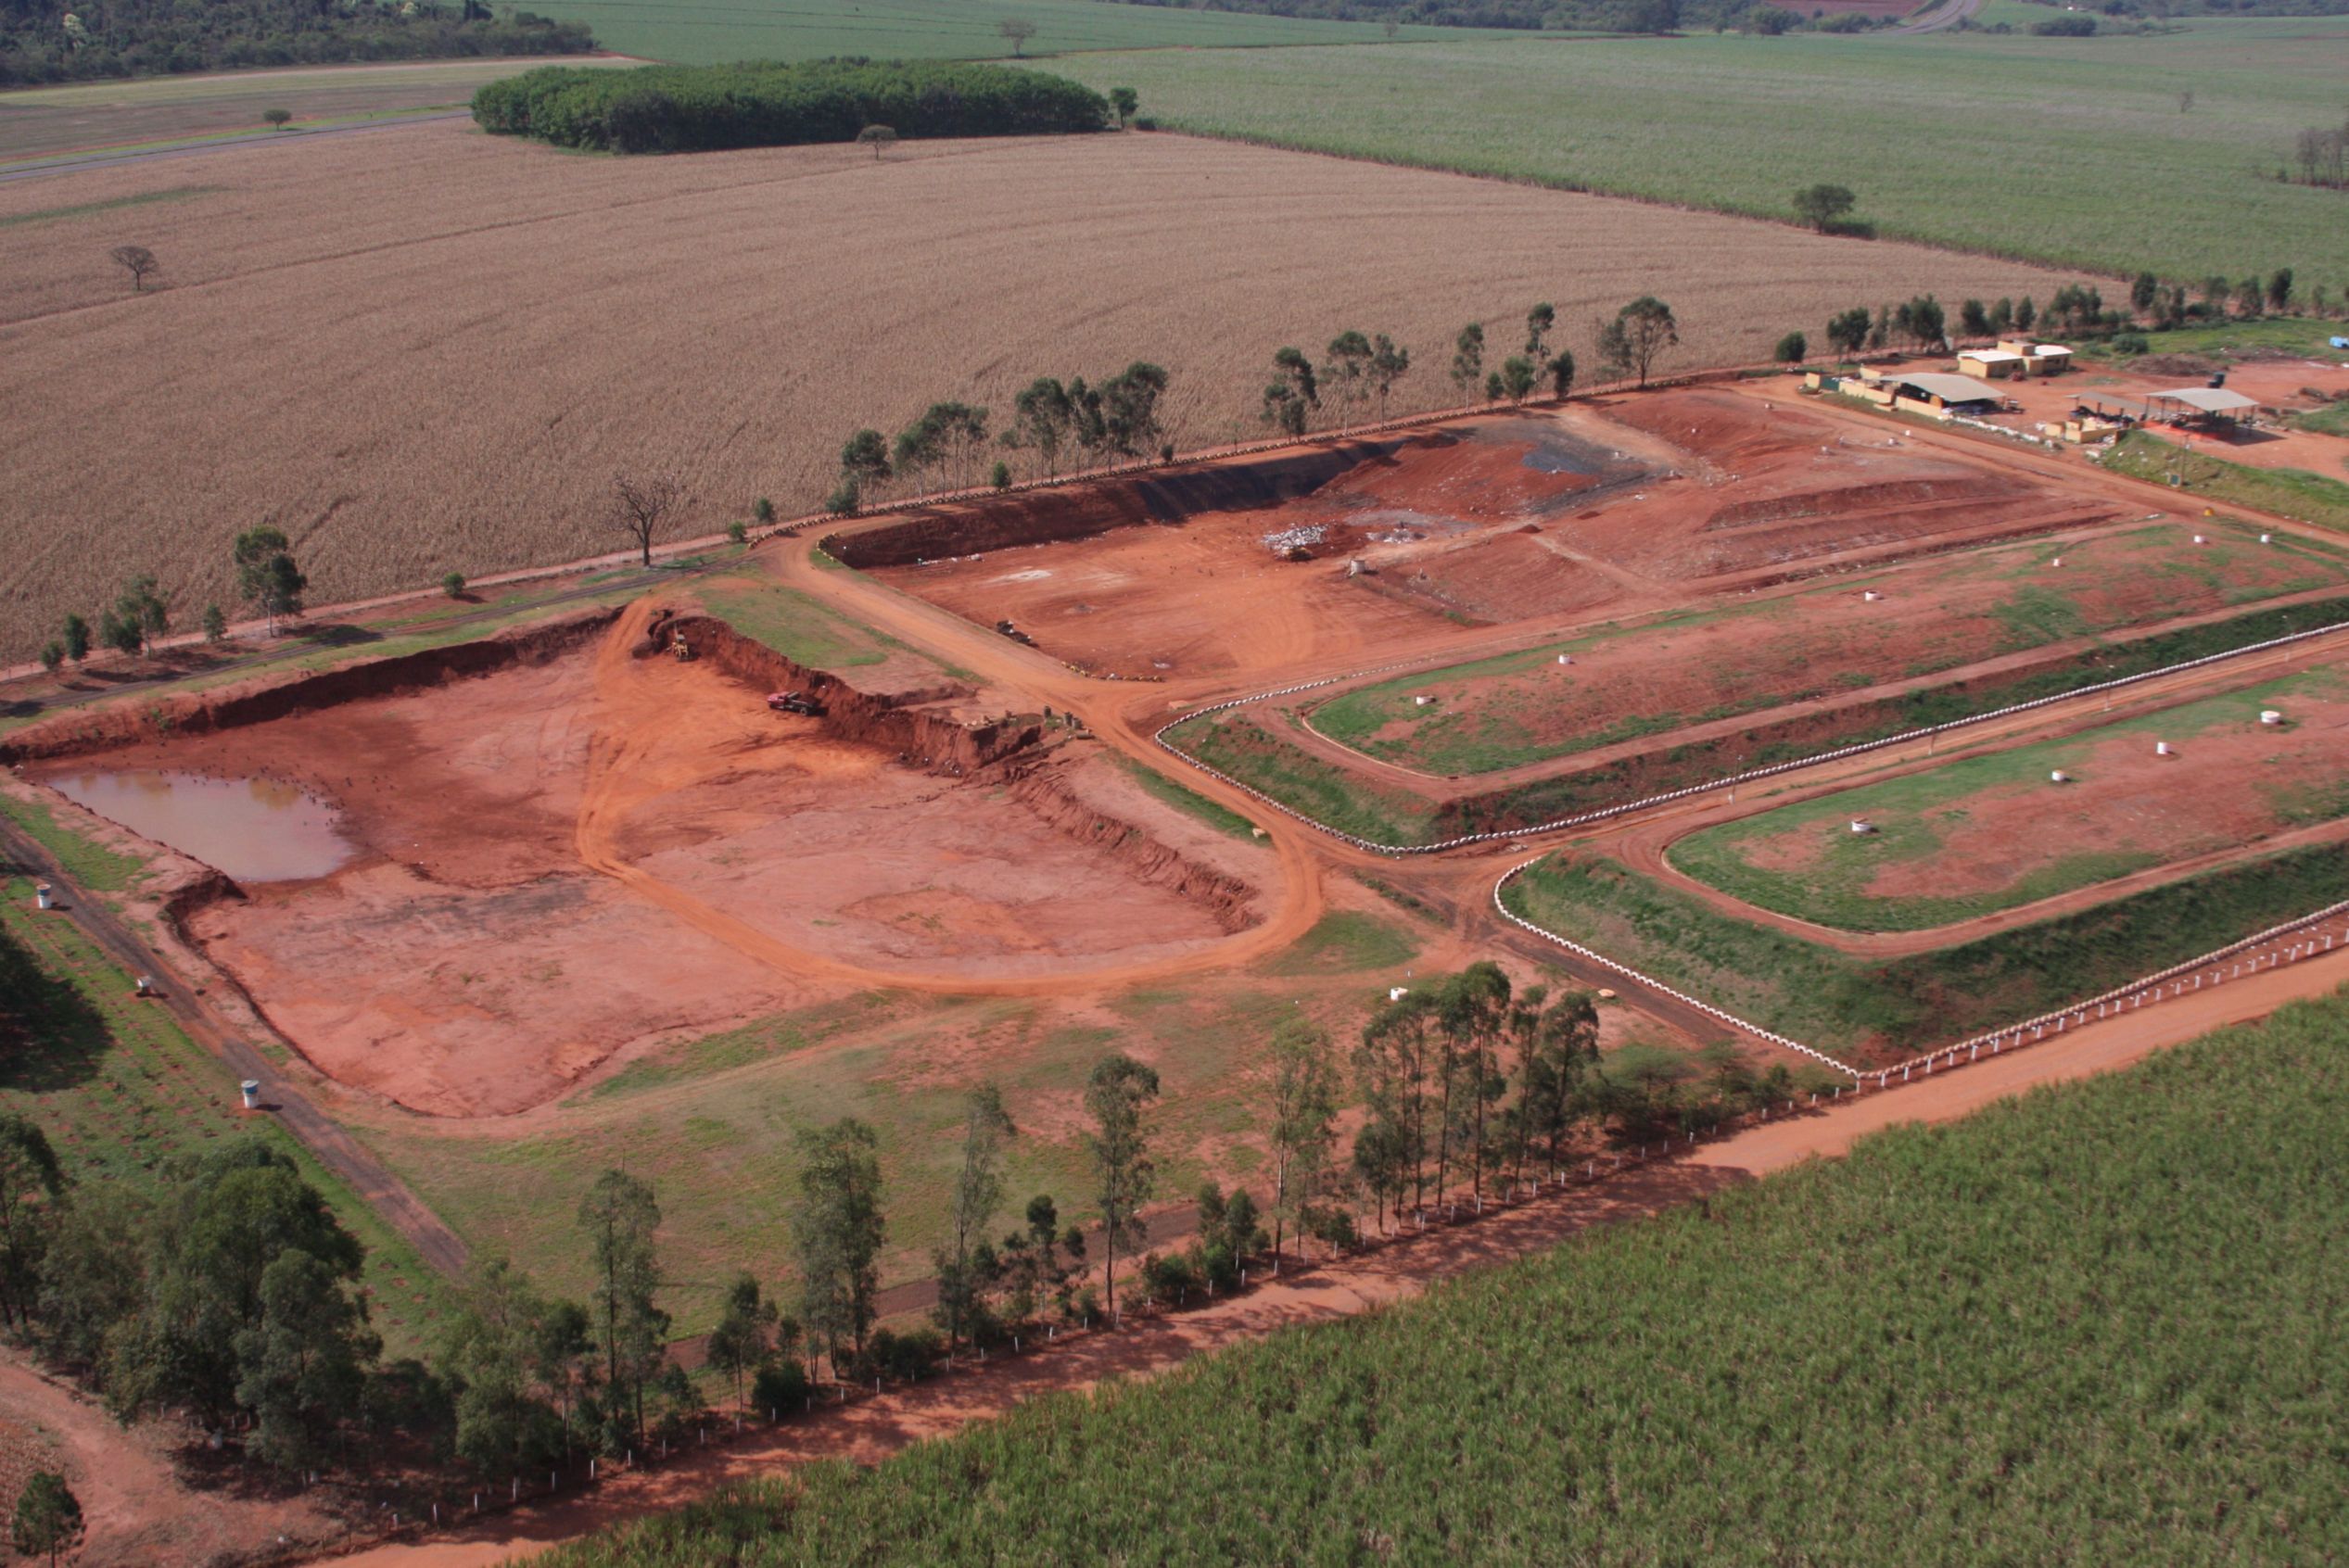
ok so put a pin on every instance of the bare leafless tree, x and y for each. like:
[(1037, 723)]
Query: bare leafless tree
[(641, 505), (137, 261)]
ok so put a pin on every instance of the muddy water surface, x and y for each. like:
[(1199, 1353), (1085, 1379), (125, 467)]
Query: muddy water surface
[(254, 830)]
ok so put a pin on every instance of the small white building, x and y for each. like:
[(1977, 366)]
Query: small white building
[(1993, 364)]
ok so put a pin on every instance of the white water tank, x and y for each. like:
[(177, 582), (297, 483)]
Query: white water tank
[(2160, 748), (45, 895), (1861, 825), (252, 1091), (2059, 777), (2270, 716)]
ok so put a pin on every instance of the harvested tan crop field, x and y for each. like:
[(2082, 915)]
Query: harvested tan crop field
[(422, 349)]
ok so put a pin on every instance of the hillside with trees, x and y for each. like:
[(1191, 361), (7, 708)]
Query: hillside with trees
[(42, 42)]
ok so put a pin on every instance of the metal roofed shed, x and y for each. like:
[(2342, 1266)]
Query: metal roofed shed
[(2204, 399), (1944, 391)]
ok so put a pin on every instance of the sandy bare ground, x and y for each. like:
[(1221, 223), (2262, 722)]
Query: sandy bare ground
[(871, 1431), (138, 1507), (424, 348)]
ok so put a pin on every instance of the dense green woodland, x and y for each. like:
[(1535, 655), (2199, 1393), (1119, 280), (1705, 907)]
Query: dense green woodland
[(2099, 1324), (61, 40), (697, 108)]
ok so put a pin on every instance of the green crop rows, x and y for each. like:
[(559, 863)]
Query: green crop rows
[(2072, 152), (704, 31)]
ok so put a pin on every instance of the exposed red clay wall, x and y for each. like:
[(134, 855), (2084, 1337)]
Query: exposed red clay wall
[(1076, 512), (922, 738), (258, 701), (938, 743), (1225, 899)]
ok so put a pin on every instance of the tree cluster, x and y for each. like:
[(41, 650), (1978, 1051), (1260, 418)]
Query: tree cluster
[(267, 578), (2321, 155), (49, 42), (231, 1295), (698, 108), (1112, 420)]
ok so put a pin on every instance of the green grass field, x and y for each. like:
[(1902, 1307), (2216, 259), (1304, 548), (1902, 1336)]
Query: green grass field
[(2286, 492), (1843, 1004), (2072, 152), (121, 1089), (2229, 339), (1243, 745), (2096, 1324), (799, 628), (701, 32), (1910, 813)]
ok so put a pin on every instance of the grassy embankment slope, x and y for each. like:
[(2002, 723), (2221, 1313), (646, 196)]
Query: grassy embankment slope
[(2095, 1324), (1940, 136), (1880, 1011), (1504, 712), (2286, 492), (122, 1091)]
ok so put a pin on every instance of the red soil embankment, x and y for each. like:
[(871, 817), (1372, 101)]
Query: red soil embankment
[(78, 734), (931, 740), (1076, 512), (1228, 899), (941, 743)]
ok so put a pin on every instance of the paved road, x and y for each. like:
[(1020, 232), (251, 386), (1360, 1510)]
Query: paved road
[(335, 1149), (72, 163)]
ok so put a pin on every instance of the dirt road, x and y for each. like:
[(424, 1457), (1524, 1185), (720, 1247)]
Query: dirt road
[(336, 1149), (873, 1429), (136, 1509)]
